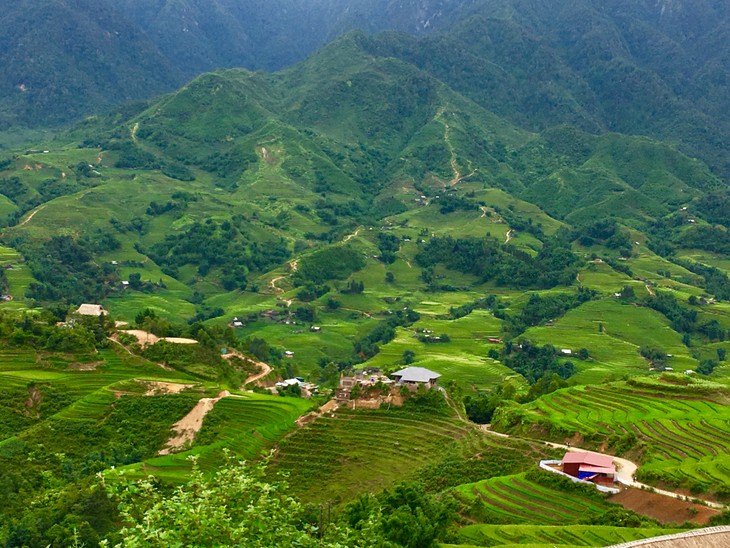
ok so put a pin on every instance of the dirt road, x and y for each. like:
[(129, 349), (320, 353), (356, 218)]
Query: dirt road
[(265, 367), (188, 427)]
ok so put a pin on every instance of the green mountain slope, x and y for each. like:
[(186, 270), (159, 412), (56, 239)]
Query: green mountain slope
[(61, 60)]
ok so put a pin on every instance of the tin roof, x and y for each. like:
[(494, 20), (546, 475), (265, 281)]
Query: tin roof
[(588, 458), (415, 374)]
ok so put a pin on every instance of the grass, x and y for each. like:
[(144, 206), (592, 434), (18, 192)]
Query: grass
[(246, 425), (613, 334)]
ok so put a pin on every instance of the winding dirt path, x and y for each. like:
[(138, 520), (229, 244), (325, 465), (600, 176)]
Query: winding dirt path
[(133, 131), (188, 427), (458, 177), (32, 214), (265, 367), (625, 469), (351, 236), (509, 236), (293, 266), (273, 285)]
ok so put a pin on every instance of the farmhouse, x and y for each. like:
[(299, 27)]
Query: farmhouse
[(91, 310), (416, 376), (592, 467), (364, 379)]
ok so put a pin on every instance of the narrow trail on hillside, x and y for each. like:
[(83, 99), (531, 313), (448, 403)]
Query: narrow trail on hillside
[(650, 290), (114, 339), (351, 236), (133, 132), (32, 214), (458, 177), (265, 367), (625, 469), (509, 236), (293, 266), (356, 310), (273, 285)]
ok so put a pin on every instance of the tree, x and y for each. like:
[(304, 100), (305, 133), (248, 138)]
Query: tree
[(721, 352), (236, 507), (408, 356)]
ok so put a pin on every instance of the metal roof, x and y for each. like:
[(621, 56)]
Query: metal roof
[(591, 459), (415, 374)]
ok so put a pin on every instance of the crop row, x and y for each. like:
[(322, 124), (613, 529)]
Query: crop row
[(676, 428), (362, 450), (520, 500)]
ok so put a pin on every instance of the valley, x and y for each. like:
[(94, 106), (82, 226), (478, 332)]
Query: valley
[(263, 251)]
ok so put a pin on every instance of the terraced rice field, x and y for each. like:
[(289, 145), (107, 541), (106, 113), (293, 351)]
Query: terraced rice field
[(571, 535), (336, 457), (516, 499), (687, 435)]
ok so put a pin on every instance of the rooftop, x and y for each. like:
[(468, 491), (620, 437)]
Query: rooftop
[(588, 458), (91, 310), (416, 374), (699, 538)]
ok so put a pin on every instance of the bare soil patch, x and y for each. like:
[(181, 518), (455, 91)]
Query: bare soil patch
[(85, 366), (179, 340), (188, 427), (665, 510), (157, 388), (145, 339)]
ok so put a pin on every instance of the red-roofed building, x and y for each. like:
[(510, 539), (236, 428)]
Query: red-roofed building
[(592, 467)]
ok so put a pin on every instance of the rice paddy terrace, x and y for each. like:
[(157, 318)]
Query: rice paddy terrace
[(340, 455), (516, 499), (676, 428)]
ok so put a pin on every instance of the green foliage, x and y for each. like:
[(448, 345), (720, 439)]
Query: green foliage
[(331, 263), (505, 264), (66, 272), (549, 307), (236, 507), (481, 408), (367, 346), (537, 363), (226, 247), (715, 207)]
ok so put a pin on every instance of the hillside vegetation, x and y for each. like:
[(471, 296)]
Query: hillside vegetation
[(564, 270)]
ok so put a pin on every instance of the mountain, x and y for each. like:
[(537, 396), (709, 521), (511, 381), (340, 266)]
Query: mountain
[(372, 206), (63, 59), (641, 68), (649, 68), (60, 60)]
